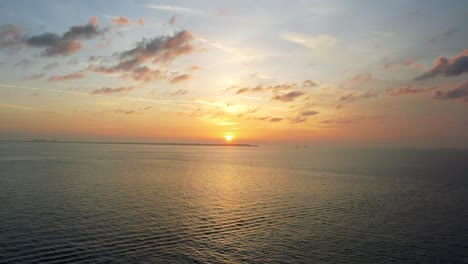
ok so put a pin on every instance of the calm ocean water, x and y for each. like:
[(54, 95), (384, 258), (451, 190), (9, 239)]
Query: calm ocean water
[(94, 203)]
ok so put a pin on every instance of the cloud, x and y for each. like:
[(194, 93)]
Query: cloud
[(178, 9), (314, 42), (309, 113), (361, 78), (94, 21), (351, 97), (296, 120), (51, 65), (10, 36), (140, 22), (407, 90), (261, 88), (71, 76), (194, 68), (180, 78), (161, 49), (108, 90), (179, 92), (24, 63), (289, 96), (447, 67), (338, 121), (309, 83), (35, 76), (20, 107), (120, 21), (258, 75), (173, 20), (122, 111), (459, 93), (403, 63), (66, 44), (276, 119)]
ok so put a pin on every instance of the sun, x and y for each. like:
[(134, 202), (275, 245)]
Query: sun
[(228, 138)]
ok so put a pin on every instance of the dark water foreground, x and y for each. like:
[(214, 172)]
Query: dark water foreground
[(91, 203)]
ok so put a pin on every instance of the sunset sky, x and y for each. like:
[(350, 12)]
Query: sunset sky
[(290, 72)]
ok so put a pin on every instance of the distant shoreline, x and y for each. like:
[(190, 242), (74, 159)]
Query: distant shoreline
[(132, 143)]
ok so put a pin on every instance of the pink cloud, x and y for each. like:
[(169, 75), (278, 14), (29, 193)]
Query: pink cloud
[(120, 21), (76, 75), (442, 66)]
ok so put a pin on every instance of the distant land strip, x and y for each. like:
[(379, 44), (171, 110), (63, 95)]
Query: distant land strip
[(133, 143)]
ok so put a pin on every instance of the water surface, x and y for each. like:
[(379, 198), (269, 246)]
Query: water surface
[(92, 203)]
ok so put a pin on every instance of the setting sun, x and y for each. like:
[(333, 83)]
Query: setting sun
[(228, 137)]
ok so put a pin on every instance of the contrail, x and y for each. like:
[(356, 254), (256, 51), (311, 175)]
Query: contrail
[(184, 104)]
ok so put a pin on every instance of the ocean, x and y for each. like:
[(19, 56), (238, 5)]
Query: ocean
[(104, 203)]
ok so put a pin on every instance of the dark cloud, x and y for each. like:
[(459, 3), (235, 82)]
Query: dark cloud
[(289, 96), (351, 97), (180, 78), (120, 21), (179, 92), (407, 90), (68, 43), (459, 93), (447, 67), (309, 83), (76, 75), (276, 119), (162, 49), (144, 74), (108, 90), (309, 113), (63, 48)]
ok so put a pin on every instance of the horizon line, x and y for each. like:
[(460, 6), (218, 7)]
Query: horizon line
[(135, 143)]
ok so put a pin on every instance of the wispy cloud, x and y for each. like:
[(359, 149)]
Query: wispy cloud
[(173, 8), (407, 90), (314, 42), (71, 76), (180, 78), (20, 107), (459, 93), (351, 97), (288, 97), (179, 92), (35, 76), (108, 90)]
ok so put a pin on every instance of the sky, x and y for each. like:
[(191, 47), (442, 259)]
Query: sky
[(363, 73)]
